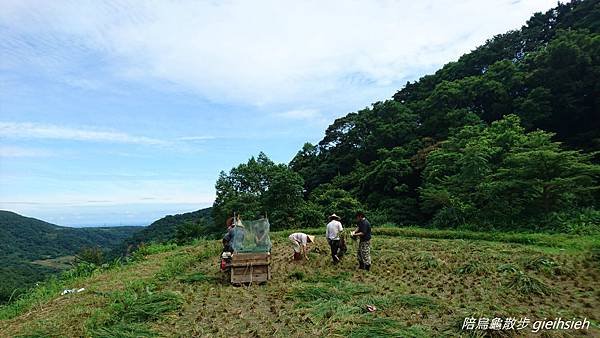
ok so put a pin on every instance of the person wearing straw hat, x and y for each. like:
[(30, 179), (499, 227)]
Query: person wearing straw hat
[(299, 244), (334, 227)]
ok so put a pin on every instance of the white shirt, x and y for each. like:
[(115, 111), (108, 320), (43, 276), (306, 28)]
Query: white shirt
[(299, 237), (333, 230)]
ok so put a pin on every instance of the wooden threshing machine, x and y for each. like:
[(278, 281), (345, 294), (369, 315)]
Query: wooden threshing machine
[(247, 258)]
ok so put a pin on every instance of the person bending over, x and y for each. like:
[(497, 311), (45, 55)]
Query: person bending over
[(299, 244)]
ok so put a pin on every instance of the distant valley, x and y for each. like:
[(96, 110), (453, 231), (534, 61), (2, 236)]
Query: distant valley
[(31, 249)]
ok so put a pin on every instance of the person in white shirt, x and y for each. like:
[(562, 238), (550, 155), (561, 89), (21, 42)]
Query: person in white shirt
[(334, 227), (299, 244)]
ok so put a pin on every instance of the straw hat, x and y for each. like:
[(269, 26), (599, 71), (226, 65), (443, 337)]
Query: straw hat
[(311, 238), (334, 216)]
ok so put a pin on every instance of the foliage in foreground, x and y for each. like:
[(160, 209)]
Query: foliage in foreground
[(51, 287), (529, 285), (129, 311), (316, 298)]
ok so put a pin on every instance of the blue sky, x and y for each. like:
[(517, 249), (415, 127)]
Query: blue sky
[(120, 112)]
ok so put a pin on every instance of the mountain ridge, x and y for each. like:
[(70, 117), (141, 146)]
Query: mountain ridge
[(25, 241)]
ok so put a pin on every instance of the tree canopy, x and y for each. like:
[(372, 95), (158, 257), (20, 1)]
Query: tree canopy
[(506, 135)]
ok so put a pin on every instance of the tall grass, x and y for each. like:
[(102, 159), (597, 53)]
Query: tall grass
[(128, 312), (386, 327), (472, 267), (416, 301), (152, 249), (548, 266), (180, 262), (427, 260), (52, 287), (529, 285), (308, 293), (122, 330)]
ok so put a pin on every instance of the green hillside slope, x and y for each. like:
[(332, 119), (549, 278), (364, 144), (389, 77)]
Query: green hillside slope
[(423, 285), (165, 229), (29, 238), (28, 246)]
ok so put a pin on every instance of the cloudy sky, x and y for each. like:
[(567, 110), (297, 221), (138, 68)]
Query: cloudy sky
[(119, 112)]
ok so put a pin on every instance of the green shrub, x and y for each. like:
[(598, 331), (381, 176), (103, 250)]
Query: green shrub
[(150, 249), (579, 222), (83, 269)]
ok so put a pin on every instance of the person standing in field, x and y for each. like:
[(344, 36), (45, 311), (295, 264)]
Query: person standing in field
[(363, 232), (299, 244), (334, 227)]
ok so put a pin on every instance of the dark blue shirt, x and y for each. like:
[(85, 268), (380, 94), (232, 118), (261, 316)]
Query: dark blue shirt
[(365, 227)]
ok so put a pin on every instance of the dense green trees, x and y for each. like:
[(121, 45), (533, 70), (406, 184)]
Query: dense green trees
[(545, 73), (260, 187), (190, 230), (476, 143), (463, 145), (500, 175), (166, 228)]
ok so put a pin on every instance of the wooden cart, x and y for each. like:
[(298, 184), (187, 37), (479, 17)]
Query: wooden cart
[(250, 268)]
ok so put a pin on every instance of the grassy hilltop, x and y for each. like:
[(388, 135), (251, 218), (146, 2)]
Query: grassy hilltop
[(423, 283)]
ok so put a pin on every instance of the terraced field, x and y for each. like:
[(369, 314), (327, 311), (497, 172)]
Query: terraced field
[(420, 287)]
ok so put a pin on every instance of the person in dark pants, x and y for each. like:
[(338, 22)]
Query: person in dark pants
[(334, 227), (363, 232)]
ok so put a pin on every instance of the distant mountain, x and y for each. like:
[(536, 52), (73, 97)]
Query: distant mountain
[(164, 229), (30, 239), (31, 249)]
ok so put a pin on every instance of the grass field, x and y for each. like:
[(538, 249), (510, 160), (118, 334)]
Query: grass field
[(423, 283)]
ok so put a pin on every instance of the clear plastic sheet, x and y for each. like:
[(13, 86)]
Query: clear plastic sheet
[(251, 236)]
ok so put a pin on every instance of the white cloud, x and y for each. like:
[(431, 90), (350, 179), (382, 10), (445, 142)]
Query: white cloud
[(257, 52), (300, 114), (27, 130), (15, 151), (101, 192), (196, 138)]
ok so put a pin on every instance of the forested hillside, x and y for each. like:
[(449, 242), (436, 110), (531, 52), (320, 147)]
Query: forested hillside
[(505, 137), (24, 240), (168, 228)]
